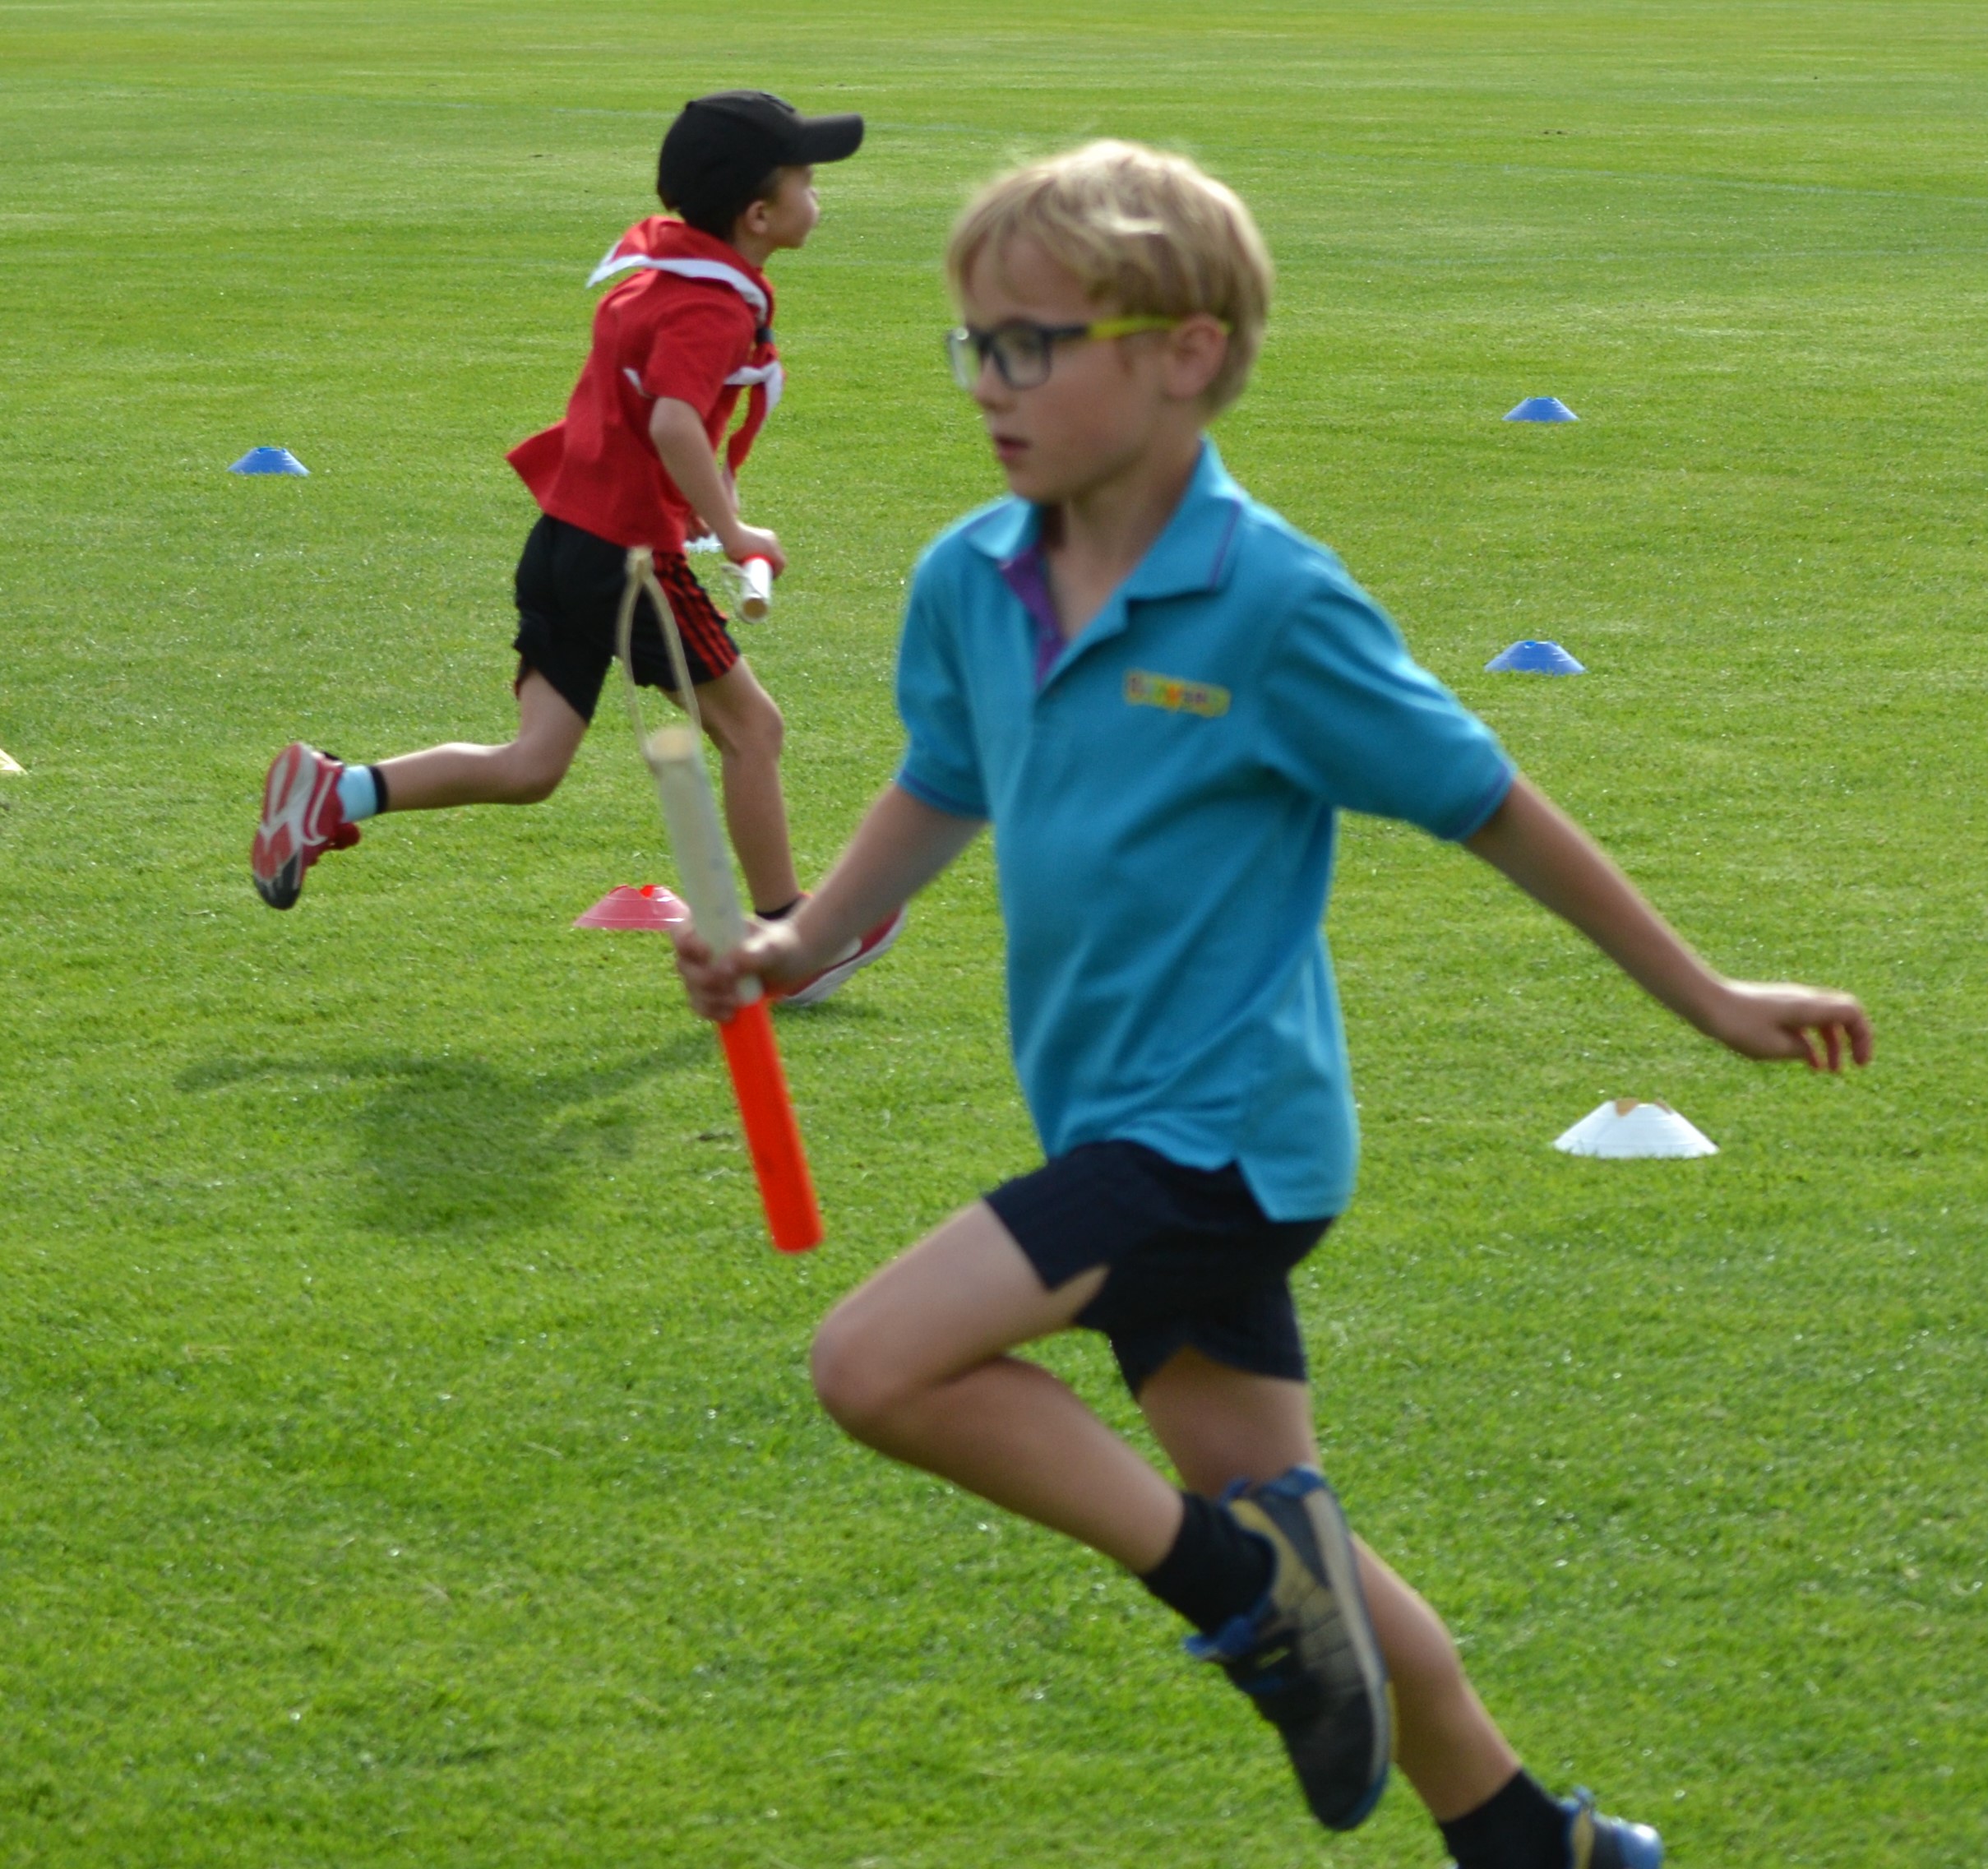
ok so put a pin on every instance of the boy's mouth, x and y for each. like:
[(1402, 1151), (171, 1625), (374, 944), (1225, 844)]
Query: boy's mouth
[(1008, 449)]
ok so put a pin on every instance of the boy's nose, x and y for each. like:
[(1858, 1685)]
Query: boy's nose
[(990, 387)]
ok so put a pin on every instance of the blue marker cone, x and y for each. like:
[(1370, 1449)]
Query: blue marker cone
[(269, 460), (1542, 409), (1531, 657)]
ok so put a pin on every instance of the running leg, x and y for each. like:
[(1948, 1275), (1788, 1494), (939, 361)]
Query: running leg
[(915, 1364), (1219, 1425), (521, 772), (744, 724)]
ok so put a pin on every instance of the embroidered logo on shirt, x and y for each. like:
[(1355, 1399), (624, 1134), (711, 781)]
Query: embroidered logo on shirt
[(1145, 689)]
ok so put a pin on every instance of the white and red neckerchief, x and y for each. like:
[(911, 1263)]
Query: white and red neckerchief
[(646, 248)]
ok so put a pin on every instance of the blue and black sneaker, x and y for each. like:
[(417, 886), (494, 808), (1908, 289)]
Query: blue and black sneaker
[(1307, 1655), (1596, 1842)]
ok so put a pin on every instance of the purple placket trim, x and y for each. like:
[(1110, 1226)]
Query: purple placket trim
[(1027, 575)]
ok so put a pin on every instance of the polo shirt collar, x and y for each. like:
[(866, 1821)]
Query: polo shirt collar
[(1193, 552), (1005, 530)]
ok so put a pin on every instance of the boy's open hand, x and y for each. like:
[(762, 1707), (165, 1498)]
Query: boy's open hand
[(771, 951), (1786, 1021)]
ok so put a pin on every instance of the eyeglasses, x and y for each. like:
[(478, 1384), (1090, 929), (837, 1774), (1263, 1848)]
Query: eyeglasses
[(1021, 350)]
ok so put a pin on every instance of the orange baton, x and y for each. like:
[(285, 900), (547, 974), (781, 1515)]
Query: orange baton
[(772, 1133)]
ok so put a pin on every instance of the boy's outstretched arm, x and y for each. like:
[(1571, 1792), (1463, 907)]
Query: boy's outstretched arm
[(901, 844), (1554, 861)]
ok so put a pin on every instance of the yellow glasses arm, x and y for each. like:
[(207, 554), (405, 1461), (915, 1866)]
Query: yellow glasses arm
[(1125, 327)]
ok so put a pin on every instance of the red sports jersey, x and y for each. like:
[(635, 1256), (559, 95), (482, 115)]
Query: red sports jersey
[(694, 322)]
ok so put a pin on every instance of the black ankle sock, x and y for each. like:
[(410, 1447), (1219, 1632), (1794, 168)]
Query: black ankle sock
[(779, 915), (379, 788), (1520, 1827), (1215, 1569)]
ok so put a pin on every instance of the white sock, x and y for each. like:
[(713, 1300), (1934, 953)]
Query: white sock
[(358, 796)]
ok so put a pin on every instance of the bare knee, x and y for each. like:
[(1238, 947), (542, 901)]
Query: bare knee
[(853, 1378), (750, 726), (533, 788), (529, 774)]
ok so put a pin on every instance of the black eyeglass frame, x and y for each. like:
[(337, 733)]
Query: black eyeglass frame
[(968, 347)]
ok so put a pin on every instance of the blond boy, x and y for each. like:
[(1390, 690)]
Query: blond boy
[(1161, 696)]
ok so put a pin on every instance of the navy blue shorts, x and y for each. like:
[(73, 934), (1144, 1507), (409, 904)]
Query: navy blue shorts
[(1195, 1264)]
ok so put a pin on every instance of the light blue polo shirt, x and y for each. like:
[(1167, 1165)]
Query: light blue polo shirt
[(1163, 801)]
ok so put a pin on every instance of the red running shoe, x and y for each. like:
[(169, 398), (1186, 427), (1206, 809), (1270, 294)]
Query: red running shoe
[(302, 819), (858, 955)]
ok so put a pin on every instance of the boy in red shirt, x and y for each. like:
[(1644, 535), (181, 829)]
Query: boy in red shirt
[(684, 333)]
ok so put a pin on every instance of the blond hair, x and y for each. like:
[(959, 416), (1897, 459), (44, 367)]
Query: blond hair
[(1145, 232)]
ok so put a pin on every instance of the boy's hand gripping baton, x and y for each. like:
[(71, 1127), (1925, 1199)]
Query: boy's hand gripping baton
[(675, 758)]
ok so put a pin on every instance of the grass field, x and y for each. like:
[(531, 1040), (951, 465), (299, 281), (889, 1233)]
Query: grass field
[(405, 1452)]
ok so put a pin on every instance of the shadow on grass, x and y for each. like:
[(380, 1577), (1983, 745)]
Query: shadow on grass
[(457, 1146)]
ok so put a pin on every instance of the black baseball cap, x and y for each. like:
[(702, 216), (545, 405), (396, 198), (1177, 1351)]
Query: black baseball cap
[(722, 148)]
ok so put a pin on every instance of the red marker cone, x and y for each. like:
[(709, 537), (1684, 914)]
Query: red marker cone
[(652, 906)]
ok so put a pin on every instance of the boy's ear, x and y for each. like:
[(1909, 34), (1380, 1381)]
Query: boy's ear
[(759, 210), (1196, 349)]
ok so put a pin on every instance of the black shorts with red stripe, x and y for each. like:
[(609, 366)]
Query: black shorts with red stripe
[(569, 587)]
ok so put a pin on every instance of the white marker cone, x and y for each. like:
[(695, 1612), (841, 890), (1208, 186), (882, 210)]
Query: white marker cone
[(1625, 1130)]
